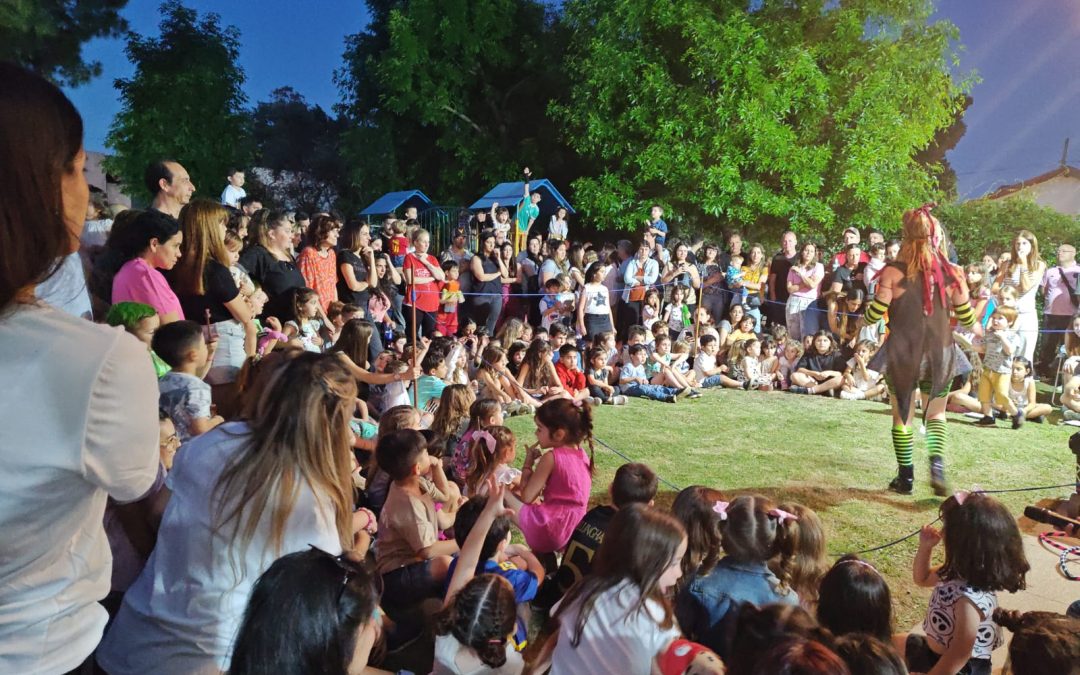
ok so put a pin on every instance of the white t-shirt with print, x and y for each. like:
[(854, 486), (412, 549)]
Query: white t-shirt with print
[(940, 622)]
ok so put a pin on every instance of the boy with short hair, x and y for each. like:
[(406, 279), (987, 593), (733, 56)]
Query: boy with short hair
[(634, 382), (183, 394), (557, 304), (430, 385), (411, 559), (635, 335), (571, 377), (707, 371), (498, 556), (450, 297), (1001, 343), (632, 484), (733, 277), (656, 224), (398, 243)]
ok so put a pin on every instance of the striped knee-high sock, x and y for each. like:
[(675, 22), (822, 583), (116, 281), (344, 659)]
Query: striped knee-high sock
[(935, 438), (903, 442)]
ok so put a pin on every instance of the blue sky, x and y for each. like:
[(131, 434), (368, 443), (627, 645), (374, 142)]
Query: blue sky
[(1025, 51)]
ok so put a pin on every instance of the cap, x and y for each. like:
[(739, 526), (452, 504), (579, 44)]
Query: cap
[(853, 230), (460, 232)]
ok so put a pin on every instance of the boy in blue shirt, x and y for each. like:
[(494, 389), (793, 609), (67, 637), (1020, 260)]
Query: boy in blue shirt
[(635, 382), (656, 224), (499, 556)]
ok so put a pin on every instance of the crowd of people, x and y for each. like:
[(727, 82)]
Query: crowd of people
[(334, 489)]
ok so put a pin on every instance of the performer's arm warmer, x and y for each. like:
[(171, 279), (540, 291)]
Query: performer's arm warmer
[(965, 315), (875, 310)]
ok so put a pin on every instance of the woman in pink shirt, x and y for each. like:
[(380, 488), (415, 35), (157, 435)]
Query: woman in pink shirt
[(152, 243), (803, 282)]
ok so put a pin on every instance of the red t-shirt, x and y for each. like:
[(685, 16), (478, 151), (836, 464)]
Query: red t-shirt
[(427, 293), (572, 380)]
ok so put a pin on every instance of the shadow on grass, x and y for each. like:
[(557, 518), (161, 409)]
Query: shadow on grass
[(822, 499)]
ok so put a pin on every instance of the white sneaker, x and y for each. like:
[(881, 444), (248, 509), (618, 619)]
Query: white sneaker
[(619, 400)]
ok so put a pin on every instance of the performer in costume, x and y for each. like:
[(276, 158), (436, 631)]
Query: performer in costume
[(918, 290)]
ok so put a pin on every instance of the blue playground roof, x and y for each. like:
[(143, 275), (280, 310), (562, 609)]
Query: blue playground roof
[(391, 201), (509, 194)]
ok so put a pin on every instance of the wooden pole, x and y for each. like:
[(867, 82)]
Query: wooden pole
[(415, 389), (697, 316)]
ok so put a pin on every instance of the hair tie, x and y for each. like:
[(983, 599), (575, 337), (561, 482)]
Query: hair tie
[(578, 403), (858, 562), (782, 515), (961, 495), (720, 508), (488, 440)]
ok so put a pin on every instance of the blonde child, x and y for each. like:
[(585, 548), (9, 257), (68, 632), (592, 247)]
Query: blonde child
[(606, 342), (664, 371), (983, 554), (1022, 391), (805, 554), (650, 309), (304, 327), (755, 373), (484, 413), (555, 484), (677, 312), (860, 383), (234, 244), (681, 361), (491, 453), (398, 244), (452, 417), (788, 359), (450, 298), (1001, 343)]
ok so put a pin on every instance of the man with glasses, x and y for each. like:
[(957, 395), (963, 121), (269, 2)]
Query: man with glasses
[(1059, 306)]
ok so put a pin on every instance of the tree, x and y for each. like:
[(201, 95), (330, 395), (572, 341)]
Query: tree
[(933, 157), (183, 103), (299, 144), (784, 114), (451, 96), (983, 226), (47, 35)]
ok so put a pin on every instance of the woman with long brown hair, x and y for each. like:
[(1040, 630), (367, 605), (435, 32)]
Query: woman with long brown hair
[(78, 409), (243, 495), (1024, 271), (318, 260), (918, 290), (209, 295)]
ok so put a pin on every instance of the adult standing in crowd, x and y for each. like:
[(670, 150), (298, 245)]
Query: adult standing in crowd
[(681, 271), (755, 272), (169, 185), (318, 259), (712, 277), (1059, 305), (777, 292), (153, 242), (421, 271), (1024, 271), (803, 283), (270, 262), (356, 265), (851, 238), (555, 263), (642, 272), (209, 295), (78, 412), (488, 272)]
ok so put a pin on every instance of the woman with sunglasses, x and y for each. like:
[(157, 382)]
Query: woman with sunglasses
[(243, 495)]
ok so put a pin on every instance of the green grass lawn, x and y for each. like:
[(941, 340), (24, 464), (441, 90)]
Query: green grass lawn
[(831, 455)]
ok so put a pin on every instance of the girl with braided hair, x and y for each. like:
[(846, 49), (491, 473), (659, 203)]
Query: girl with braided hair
[(918, 289)]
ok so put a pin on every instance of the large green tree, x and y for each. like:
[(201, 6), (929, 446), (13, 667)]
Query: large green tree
[(48, 35), (299, 144), (451, 96), (184, 102), (762, 115)]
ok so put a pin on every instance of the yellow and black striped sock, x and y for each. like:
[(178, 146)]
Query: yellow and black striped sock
[(903, 444)]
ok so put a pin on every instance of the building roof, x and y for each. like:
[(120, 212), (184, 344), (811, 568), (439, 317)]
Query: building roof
[(1063, 170), (509, 194), (392, 201)]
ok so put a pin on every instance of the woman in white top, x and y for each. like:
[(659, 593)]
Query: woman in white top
[(557, 228), (78, 409), (243, 495), (594, 303), (1024, 271)]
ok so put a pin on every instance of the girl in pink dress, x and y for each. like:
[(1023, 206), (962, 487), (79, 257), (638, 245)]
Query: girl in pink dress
[(563, 477)]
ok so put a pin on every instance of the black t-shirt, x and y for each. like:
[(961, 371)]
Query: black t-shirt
[(219, 288), (276, 277), (849, 279), (360, 271), (492, 287), (820, 363), (779, 267), (577, 561)]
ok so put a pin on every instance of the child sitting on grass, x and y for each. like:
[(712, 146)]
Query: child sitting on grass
[(409, 556), (599, 378), (183, 394), (707, 371), (571, 377), (491, 455), (1022, 392), (860, 383), (633, 380)]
